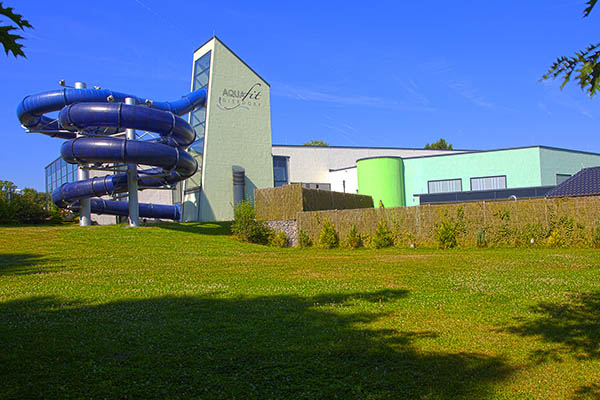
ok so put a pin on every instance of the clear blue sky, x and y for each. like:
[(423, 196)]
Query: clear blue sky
[(381, 73)]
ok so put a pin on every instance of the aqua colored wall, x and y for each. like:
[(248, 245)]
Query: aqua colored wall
[(557, 161), (383, 179), (521, 167)]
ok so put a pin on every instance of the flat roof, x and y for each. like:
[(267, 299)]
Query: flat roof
[(368, 148), (486, 151)]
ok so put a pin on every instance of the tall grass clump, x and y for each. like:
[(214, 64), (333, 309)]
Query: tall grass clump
[(245, 226), (596, 235)]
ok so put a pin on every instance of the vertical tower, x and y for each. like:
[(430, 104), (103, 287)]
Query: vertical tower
[(233, 131)]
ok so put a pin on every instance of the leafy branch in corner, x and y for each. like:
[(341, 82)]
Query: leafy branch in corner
[(8, 39), (584, 63)]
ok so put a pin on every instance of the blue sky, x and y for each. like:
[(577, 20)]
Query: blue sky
[(386, 73)]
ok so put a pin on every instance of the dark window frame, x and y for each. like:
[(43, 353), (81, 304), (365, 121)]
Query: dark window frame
[(563, 175), (287, 171), (445, 180), (490, 176)]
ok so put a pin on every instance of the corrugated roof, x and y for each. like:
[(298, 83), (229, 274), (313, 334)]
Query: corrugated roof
[(584, 183)]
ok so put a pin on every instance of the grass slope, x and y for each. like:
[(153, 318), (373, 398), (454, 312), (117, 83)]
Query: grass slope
[(180, 311)]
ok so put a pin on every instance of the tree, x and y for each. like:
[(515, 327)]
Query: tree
[(439, 145), (584, 63), (316, 143), (9, 40)]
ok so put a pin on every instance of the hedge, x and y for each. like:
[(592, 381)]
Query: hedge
[(559, 222), (284, 203)]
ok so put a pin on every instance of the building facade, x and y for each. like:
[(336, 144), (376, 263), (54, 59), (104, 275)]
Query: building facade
[(233, 132)]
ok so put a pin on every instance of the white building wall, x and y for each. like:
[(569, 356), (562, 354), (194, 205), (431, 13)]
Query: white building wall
[(344, 180), (312, 164)]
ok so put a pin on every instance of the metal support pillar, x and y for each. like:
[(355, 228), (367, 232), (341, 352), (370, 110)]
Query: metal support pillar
[(83, 174), (132, 184)]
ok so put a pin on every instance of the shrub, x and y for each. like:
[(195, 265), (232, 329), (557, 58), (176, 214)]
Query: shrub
[(532, 234), (304, 239), (503, 233), (353, 240), (278, 239), (596, 235), (57, 215), (555, 239), (481, 239), (328, 238), (245, 226), (448, 230), (383, 236)]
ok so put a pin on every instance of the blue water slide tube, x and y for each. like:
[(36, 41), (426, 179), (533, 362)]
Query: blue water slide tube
[(89, 118)]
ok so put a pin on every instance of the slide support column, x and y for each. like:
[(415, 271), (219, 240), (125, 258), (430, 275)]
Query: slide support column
[(82, 175), (132, 183)]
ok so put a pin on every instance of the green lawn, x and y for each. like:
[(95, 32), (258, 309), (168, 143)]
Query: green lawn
[(180, 311)]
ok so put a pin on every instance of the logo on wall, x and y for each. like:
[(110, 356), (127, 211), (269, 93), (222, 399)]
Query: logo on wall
[(231, 99)]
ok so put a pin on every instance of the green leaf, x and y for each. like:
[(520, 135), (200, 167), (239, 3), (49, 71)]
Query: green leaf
[(16, 18), (9, 41), (588, 9)]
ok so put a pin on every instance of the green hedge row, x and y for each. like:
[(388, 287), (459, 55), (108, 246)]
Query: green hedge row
[(284, 203)]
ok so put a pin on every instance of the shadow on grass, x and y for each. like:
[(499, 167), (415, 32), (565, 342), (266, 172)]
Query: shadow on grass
[(575, 325), (212, 347), (23, 264), (588, 392), (203, 228)]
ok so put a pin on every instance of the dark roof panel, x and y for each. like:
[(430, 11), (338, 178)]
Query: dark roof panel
[(584, 183)]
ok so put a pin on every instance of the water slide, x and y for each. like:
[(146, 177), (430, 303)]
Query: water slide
[(93, 121)]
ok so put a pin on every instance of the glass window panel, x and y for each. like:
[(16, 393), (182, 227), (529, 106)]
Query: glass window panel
[(198, 116), (280, 173), (488, 183), (202, 63), (200, 81), (560, 178), (444, 186), (197, 147)]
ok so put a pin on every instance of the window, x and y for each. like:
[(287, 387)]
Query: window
[(444, 186), (280, 170), (489, 183), (58, 173), (198, 119), (560, 178)]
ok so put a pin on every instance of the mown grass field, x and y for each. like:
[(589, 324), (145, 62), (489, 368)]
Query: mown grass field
[(185, 311)]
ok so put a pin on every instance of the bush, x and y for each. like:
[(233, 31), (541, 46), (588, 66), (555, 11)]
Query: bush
[(383, 236), (328, 238), (278, 239), (448, 230), (596, 235), (304, 239), (353, 240), (57, 215), (245, 226)]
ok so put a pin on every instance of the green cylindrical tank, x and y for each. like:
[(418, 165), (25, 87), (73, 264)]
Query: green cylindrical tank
[(383, 179)]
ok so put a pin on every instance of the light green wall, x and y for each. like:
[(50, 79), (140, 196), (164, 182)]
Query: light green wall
[(382, 178), (238, 132), (556, 161), (521, 167)]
